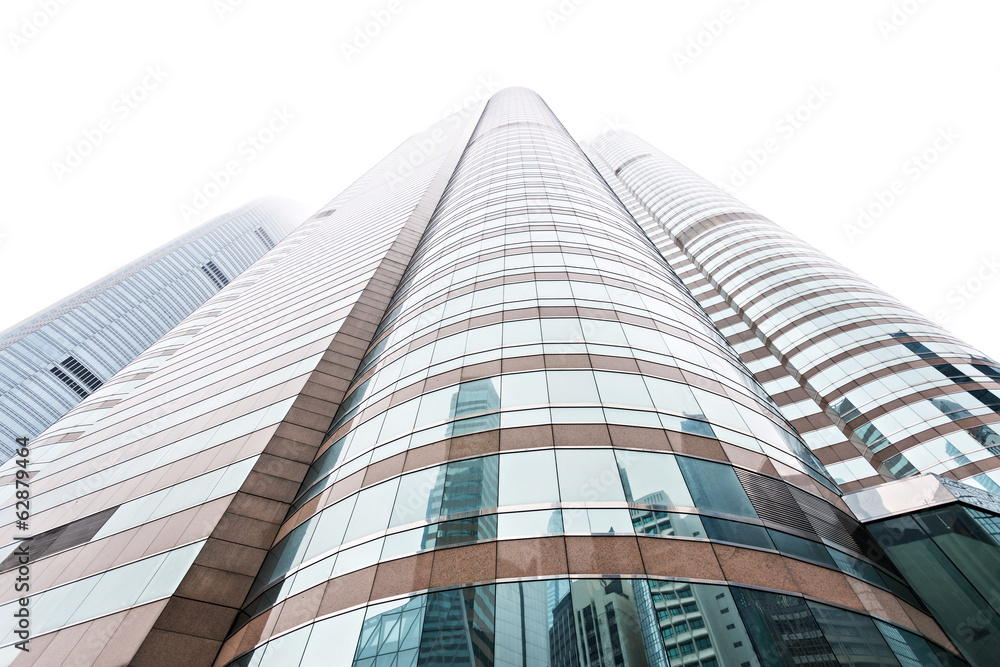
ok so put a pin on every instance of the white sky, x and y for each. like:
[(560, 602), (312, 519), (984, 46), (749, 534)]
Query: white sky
[(601, 64)]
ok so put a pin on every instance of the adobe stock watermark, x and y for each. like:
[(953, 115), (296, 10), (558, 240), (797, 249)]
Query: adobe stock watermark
[(247, 151), (430, 143), (560, 13), (367, 32), (968, 289), (31, 25), (613, 125), (785, 128), (483, 90), (121, 107), (911, 171), (899, 15), (708, 34), (224, 8)]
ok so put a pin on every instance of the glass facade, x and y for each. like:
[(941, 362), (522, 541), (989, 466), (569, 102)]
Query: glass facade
[(584, 622), (55, 359), (467, 414), (944, 537), (887, 393)]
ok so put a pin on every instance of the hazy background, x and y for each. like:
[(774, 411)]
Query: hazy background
[(708, 82)]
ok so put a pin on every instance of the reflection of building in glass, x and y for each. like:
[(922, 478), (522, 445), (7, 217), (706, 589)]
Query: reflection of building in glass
[(945, 538), (700, 624), (474, 407), (610, 632), (562, 631)]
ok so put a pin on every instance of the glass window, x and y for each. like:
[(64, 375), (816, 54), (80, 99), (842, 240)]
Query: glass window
[(372, 511), (528, 477), (520, 389), (622, 389), (562, 330), (673, 397), (778, 640), (287, 650), (602, 331), (484, 338), (801, 548), (530, 524), (715, 487), (588, 474), (720, 409), (611, 603), (435, 406), (521, 332), (398, 420), (852, 635), (652, 478), (405, 543), (419, 496), (912, 650), (358, 557), (597, 521), (331, 524), (542, 631), (328, 639), (471, 485), (738, 533), (572, 387)]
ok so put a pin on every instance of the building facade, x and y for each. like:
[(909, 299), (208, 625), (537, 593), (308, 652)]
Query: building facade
[(60, 356), (466, 414), (878, 391)]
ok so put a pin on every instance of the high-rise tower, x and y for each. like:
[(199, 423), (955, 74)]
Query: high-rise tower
[(52, 361), (879, 391), (464, 415)]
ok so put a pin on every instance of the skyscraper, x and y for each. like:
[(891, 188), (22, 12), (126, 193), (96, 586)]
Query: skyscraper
[(464, 415), (878, 391), (58, 357)]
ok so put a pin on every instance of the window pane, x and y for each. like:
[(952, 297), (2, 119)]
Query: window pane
[(470, 485), (738, 533), (419, 496), (720, 410), (371, 513), (562, 330), (622, 389), (530, 524), (528, 477), (775, 624), (588, 474), (652, 478), (330, 527), (524, 389), (715, 487), (673, 397), (572, 387), (852, 636), (332, 641)]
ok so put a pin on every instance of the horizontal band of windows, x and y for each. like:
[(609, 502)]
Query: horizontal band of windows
[(594, 521), (538, 622), (541, 476), (544, 336), (560, 396)]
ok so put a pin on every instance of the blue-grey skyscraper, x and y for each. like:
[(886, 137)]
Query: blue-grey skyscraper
[(54, 359)]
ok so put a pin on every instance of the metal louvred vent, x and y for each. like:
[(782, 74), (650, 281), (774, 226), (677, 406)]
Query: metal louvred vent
[(827, 521), (773, 502)]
